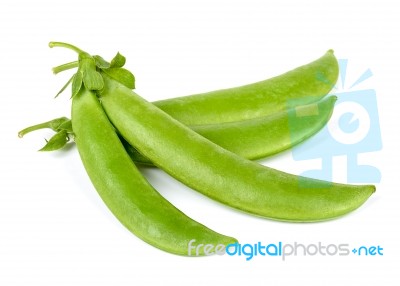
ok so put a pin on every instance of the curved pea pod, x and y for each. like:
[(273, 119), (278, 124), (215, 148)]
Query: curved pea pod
[(303, 85), (265, 136), (134, 202), (221, 174)]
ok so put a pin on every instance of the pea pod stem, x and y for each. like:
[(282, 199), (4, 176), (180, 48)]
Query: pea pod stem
[(65, 67), (52, 124), (29, 129), (66, 45)]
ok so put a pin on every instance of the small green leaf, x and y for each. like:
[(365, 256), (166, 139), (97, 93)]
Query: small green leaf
[(91, 77), (101, 63), (65, 86), (76, 83), (121, 75), (56, 142), (55, 125), (66, 125), (59, 123), (93, 80), (118, 61), (84, 56)]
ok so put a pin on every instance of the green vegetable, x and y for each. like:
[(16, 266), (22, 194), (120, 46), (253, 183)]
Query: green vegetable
[(125, 191), (249, 137), (300, 86), (61, 125), (261, 137), (252, 139), (134, 202), (218, 173), (129, 196), (256, 137), (303, 85)]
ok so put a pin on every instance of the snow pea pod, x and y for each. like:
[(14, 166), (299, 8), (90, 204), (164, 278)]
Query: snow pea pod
[(213, 170), (252, 139), (257, 137), (221, 174), (261, 137), (300, 86), (304, 84), (136, 204)]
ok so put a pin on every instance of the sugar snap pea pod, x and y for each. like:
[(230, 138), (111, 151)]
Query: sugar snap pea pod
[(258, 137), (303, 85), (252, 139), (221, 174), (265, 136), (136, 204), (217, 172), (306, 84)]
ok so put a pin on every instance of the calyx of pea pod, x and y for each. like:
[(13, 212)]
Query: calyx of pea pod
[(90, 69), (63, 128)]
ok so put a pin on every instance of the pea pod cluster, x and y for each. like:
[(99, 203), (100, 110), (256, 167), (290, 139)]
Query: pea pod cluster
[(195, 140)]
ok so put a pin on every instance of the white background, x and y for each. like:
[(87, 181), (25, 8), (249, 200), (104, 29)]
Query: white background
[(54, 229)]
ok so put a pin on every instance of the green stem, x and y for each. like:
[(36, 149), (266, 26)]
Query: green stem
[(65, 67), (65, 45), (33, 128), (52, 124)]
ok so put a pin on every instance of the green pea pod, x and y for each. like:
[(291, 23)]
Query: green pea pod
[(300, 86), (217, 172), (249, 137), (303, 85), (259, 137), (136, 204), (262, 137), (221, 174)]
